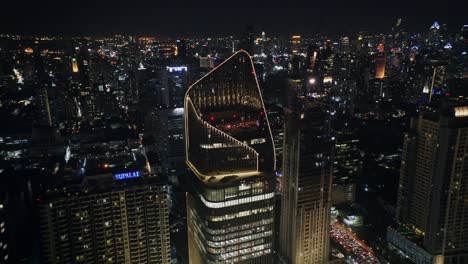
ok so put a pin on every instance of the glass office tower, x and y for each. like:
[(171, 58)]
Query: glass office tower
[(230, 151)]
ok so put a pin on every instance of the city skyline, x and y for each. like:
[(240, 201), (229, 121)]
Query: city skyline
[(251, 133)]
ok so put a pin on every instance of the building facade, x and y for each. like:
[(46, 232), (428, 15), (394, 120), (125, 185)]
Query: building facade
[(434, 183), (120, 225), (167, 128), (307, 184), (230, 211)]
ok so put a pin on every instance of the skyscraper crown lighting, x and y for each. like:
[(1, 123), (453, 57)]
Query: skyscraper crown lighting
[(225, 110)]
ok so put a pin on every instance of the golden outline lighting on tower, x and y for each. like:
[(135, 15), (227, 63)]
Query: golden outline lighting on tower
[(229, 149)]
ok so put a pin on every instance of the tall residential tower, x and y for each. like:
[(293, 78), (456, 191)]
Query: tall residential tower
[(307, 183), (433, 192)]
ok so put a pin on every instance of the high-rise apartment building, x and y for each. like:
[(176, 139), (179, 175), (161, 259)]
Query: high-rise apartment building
[(119, 218), (175, 80), (167, 127), (433, 192), (307, 182), (230, 212)]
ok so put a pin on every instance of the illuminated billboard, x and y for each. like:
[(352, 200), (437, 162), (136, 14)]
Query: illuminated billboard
[(177, 69), (127, 175)]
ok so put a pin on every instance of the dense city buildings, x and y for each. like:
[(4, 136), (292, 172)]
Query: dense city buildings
[(230, 151)]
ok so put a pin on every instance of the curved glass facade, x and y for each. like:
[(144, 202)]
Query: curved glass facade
[(230, 151)]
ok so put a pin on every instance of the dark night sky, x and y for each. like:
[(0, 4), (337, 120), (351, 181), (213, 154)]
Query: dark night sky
[(180, 17)]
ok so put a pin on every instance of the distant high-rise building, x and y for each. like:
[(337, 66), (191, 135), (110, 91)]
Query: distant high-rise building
[(176, 81), (170, 91), (107, 221), (74, 65), (307, 182), (168, 132), (82, 55), (380, 62), (345, 46), (464, 32), (380, 83), (433, 185), (182, 50), (106, 101), (436, 72), (275, 116), (295, 44), (435, 36), (230, 212), (327, 59), (347, 164), (207, 62), (312, 55)]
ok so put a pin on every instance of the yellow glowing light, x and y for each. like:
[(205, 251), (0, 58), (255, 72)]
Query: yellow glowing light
[(327, 79), (29, 50), (296, 39), (74, 65), (380, 67), (461, 111), (219, 176)]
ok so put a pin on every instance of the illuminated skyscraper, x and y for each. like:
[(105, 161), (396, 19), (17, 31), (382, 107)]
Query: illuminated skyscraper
[(175, 80), (74, 65), (295, 44), (380, 62), (230, 212), (380, 82), (312, 54), (307, 183), (433, 192)]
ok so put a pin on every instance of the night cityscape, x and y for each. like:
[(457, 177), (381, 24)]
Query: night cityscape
[(252, 133)]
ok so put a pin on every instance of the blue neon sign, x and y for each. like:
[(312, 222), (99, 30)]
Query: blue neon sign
[(127, 175), (177, 69)]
